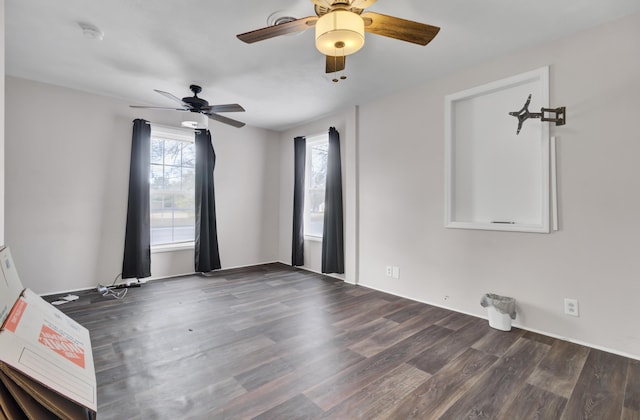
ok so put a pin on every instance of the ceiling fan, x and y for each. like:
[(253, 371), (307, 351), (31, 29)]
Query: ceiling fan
[(195, 104), (340, 27)]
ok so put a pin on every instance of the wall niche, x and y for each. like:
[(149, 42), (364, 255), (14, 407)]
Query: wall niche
[(496, 179)]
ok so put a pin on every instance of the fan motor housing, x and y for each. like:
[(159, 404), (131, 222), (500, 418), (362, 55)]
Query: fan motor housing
[(195, 102)]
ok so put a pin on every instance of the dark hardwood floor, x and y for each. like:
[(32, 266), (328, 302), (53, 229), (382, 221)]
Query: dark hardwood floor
[(272, 342)]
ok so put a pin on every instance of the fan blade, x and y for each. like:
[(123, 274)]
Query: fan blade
[(335, 64), (223, 108), (402, 29), (362, 4), (277, 30), (174, 98), (157, 107), (225, 120)]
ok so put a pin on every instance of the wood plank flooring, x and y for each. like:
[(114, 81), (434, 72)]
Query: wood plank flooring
[(273, 342)]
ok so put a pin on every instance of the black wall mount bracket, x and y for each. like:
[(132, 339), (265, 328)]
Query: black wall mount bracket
[(559, 114)]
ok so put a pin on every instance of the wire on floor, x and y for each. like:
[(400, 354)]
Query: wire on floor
[(107, 291)]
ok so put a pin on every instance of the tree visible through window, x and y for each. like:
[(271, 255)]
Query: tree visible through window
[(172, 187), (315, 178)]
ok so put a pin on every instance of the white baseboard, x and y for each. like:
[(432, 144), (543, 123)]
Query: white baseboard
[(517, 325), (335, 276)]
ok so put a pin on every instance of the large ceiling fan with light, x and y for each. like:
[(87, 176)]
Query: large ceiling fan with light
[(340, 26)]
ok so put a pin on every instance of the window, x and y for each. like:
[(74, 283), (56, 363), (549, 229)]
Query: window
[(315, 178), (172, 186)]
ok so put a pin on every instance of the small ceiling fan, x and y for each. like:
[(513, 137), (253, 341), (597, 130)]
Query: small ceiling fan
[(340, 27), (195, 104)]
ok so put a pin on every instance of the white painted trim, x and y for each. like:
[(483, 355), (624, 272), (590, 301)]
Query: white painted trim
[(167, 132), (149, 279), (517, 325), (554, 185), (351, 197), (182, 246), (335, 276)]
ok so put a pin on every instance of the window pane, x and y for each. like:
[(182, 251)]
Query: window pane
[(189, 155), (172, 186), (315, 179), (157, 177), (172, 178), (183, 201), (173, 152), (189, 180), (318, 166), (157, 151), (184, 216), (158, 201)]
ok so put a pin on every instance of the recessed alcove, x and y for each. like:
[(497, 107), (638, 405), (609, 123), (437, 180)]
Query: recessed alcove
[(496, 179)]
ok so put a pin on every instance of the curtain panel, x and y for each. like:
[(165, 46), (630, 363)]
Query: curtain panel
[(207, 254), (332, 233), (300, 157), (137, 242)]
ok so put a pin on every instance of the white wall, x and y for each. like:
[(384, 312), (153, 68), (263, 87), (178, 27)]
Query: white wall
[(595, 255), (2, 159), (67, 173), (345, 123), (247, 194)]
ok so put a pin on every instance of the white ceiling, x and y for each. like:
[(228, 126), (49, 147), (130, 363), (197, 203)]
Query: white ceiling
[(170, 44)]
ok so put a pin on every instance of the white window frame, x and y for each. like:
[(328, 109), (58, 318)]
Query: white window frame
[(310, 142), (175, 134)]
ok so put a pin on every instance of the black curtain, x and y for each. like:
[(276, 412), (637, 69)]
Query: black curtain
[(332, 232), (137, 240), (300, 155), (207, 254)]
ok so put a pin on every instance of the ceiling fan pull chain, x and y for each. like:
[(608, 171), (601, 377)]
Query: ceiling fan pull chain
[(343, 77), (335, 63), (338, 45)]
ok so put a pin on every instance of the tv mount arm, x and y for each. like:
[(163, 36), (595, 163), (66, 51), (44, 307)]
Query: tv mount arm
[(524, 114)]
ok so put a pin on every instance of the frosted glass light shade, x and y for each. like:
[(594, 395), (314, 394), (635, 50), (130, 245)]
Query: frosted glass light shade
[(339, 27), (195, 120)]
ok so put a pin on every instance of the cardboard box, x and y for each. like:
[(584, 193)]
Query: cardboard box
[(46, 363)]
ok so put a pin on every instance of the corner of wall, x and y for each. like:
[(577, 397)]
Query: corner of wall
[(2, 122)]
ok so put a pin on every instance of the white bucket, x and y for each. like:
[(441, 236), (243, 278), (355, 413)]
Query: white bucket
[(497, 320)]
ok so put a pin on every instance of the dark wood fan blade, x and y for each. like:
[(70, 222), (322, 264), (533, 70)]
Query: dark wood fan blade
[(157, 107), (174, 98), (226, 120), (224, 108), (402, 29), (335, 64), (277, 30), (362, 4)]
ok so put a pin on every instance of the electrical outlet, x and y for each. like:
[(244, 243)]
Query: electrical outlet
[(389, 271), (571, 307), (395, 272)]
